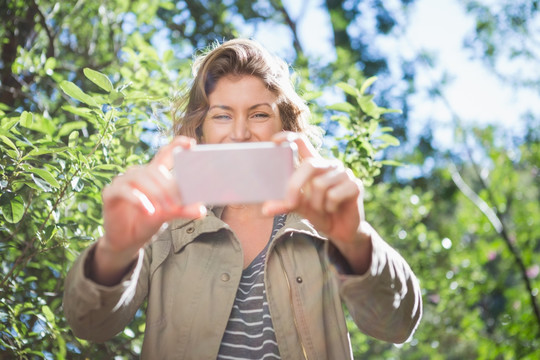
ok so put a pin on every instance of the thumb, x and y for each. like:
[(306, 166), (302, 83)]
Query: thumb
[(164, 157), (305, 148)]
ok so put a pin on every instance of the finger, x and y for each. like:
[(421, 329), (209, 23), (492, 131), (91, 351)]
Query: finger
[(303, 175), (191, 211), (341, 193), (157, 186), (124, 192), (165, 155), (305, 148), (322, 184), (275, 207)]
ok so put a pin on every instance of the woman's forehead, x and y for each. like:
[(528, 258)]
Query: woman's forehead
[(241, 89)]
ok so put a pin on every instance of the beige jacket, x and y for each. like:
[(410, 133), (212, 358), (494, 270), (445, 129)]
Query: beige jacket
[(190, 275)]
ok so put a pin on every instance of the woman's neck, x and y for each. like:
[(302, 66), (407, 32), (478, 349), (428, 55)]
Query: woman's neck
[(246, 212)]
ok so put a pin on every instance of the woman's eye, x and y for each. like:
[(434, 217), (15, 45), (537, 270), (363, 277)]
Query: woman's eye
[(221, 117), (260, 116)]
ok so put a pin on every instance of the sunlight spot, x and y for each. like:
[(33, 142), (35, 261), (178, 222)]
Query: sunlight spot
[(446, 243)]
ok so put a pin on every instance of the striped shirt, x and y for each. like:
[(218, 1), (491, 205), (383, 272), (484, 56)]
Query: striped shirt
[(250, 332)]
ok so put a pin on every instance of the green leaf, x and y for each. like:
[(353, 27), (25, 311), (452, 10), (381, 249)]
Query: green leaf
[(99, 79), (75, 92), (108, 167), (72, 139), (71, 126), (30, 279), (49, 315), (26, 119), (84, 112), (50, 231), (391, 163), (168, 56), (39, 184), (373, 126), (12, 207), (50, 65), (344, 107), (167, 5), (389, 139), (116, 98), (351, 90), (45, 175), (369, 107), (8, 123), (312, 95), (367, 84), (383, 110), (14, 154), (44, 151), (8, 142), (77, 184)]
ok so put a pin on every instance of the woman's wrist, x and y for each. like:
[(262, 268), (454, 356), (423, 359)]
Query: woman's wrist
[(358, 251), (109, 265)]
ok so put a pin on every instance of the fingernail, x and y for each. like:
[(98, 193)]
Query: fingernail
[(163, 169), (291, 137), (147, 204), (202, 210)]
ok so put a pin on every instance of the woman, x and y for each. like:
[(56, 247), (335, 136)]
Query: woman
[(241, 281)]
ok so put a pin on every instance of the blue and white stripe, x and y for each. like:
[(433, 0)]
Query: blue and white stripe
[(250, 332)]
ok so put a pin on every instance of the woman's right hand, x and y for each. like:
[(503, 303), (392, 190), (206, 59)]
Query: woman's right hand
[(135, 206)]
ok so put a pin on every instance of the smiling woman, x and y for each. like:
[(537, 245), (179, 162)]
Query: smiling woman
[(233, 59), (241, 281), (241, 109)]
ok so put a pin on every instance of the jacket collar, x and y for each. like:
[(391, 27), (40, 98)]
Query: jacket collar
[(186, 230), (296, 223)]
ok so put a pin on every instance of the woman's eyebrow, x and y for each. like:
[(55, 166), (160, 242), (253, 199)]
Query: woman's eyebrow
[(222, 107), (229, 108), (261, 104)]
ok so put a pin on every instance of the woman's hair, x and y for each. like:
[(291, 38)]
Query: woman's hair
[(238, 57)]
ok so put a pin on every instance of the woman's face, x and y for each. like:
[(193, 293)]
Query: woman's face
[(241, 109)]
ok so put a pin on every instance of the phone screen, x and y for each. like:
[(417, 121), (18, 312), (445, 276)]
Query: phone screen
[(240, 173)]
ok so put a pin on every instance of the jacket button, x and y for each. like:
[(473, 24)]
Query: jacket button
[(225, 277), (190, 229), (299, 279)]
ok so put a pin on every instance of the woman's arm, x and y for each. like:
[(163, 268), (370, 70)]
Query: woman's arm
[(108, 281), (96, 312), (377, 284), (386, 301), (135, 206)]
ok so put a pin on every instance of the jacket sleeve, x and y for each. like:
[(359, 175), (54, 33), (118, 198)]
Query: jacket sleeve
[(386, 301), (96, 312)]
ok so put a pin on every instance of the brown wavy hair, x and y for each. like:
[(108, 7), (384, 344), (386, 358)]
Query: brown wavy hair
[(238, 57)]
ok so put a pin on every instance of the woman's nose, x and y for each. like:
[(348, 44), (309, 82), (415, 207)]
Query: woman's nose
[(240, 130)]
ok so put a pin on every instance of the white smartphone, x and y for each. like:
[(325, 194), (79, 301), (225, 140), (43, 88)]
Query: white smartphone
[(239, 173)]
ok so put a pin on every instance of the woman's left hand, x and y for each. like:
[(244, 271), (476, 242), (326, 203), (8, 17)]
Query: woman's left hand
[(331, 198)]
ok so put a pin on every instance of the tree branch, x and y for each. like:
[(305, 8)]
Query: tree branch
[(43, 22), (494, 218), (278, 4)]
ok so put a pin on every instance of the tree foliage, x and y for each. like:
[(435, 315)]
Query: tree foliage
[(85, 88)]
